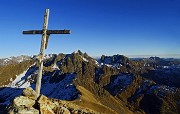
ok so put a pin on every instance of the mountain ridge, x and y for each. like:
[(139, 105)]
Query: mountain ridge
[(121, 84)]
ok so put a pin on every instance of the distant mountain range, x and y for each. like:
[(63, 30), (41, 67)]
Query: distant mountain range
[(176, 56), (118, 84), (11, 60)]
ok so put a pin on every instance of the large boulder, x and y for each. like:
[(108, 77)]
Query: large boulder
[(46, 106), (23, 101), (30, 93), (45, 109), (30, 110), (23, 105)]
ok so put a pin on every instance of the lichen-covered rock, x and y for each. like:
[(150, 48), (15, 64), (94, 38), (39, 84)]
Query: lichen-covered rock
[(21, 110), (43, 105), (45, 109), (62, 110), (42, 99), (30, 93), (46, 106), (23, 101), (28, 111)]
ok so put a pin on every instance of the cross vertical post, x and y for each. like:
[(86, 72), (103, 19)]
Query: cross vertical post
[(41, 54)]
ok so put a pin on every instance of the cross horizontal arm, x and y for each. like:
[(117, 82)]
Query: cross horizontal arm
[(48, 32), (58, 31)]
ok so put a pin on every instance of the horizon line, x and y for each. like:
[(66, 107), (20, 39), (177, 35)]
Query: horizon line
[(127, 55)]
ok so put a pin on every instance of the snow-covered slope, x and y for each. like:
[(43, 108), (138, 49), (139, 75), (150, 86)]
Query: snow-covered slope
[(119, 83), (63, 88)]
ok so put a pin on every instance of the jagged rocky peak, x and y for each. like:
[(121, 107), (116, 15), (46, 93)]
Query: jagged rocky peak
[(74, 62), (78, 52), (71, 60), (69, 63), (121, 59), (155, 58), (84, 56)]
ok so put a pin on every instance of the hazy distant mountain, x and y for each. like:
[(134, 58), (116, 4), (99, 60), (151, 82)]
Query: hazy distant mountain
[(11, 60), (116, 83)]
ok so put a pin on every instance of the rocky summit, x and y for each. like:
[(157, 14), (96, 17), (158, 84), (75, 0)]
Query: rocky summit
[(77, 83), (42, 105)]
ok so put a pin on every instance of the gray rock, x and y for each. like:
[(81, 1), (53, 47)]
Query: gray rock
[(30, 93)]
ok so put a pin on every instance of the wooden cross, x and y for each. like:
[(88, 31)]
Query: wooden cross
[(44, 42)]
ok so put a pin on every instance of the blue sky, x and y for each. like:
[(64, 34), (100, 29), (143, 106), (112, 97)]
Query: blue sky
[(129, 27)]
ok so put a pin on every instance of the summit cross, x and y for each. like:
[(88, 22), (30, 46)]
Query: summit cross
[(44, 42)]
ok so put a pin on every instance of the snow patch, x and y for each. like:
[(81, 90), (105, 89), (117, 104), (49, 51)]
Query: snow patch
[(17, 80), (108, 65), (55, 66), (122, 81), (77, 51), (22, 80), (84, 59)]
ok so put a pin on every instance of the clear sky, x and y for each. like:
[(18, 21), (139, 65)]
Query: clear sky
[(129, 27)]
